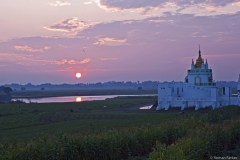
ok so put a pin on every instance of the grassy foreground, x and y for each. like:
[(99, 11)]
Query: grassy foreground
[(116, 129)]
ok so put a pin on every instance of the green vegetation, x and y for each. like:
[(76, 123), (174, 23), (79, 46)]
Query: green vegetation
[(116, 129), (83, 92)]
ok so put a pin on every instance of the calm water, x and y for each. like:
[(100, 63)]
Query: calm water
[(71, 98), (145, 107)]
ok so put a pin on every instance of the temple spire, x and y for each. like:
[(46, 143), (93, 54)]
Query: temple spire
[(199, 60), (199, 51)]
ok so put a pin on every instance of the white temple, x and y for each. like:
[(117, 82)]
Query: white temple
[(199, 90)]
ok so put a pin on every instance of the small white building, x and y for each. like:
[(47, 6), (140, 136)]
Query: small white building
[(199, 90)]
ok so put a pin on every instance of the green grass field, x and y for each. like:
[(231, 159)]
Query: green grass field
[(116, 129), (21, 121)]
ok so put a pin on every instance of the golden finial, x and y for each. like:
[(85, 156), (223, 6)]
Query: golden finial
[(199, 50), (199, 60)]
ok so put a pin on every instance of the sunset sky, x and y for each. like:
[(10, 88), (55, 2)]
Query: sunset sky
[(48, 41)]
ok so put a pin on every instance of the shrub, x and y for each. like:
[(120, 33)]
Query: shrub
[(110, 145), (185, 149)]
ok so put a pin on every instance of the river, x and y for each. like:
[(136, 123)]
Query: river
[(71, 98)]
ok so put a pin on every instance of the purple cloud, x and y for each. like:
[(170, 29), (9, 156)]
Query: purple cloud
[(128, 4), (159, 7)]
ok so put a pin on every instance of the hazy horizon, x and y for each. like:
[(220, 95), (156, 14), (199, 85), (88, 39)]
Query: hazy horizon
[(50, 41)]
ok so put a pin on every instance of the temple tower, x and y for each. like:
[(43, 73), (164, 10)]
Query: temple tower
[(200, 74)]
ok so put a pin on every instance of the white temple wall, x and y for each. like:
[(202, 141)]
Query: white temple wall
[(238, 88), (225, 101), (203, 78), (178, 94)]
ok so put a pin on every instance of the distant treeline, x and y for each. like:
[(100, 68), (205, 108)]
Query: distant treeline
[(5, 94), (146, 85)]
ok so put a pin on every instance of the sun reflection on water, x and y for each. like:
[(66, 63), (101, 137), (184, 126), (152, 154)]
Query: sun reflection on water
[(78, 99)]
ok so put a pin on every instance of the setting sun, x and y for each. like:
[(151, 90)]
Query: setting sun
[(78, 75)]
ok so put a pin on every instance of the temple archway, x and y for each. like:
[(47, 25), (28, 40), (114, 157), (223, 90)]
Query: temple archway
[(197, 80)]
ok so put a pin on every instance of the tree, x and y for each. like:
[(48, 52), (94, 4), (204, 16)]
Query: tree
[(6, 90), (5, 94)]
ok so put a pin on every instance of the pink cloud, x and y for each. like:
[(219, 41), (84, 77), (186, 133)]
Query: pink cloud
[(26, 48), (72, 61), (60, 4), (27, 60), (109, 41), (70, 25), (108, 59)]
